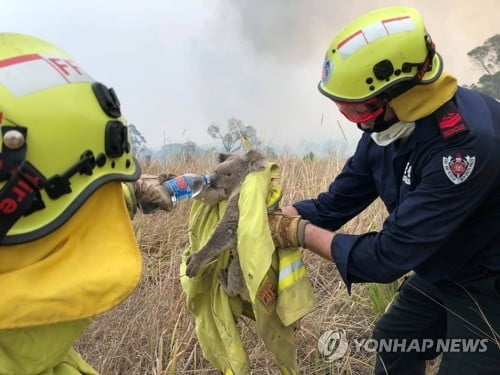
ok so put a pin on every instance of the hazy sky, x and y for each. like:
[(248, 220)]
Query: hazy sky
[(180, 65)]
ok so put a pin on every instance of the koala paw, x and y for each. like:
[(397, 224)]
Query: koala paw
[(193, 265)]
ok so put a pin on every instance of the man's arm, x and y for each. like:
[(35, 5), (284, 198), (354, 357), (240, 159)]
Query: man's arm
[(428, 232), (316, 239), (319, 241)]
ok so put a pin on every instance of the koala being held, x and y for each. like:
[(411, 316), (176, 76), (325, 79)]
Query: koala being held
[(229, 176)]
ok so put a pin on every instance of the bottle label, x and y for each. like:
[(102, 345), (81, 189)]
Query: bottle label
[(180, 188)]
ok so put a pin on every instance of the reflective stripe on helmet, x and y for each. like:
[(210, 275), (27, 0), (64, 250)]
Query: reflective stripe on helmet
[(373, 32), (377, 54)]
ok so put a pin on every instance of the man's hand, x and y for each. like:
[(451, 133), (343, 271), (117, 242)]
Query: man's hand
[(150, 194), (287, 231)]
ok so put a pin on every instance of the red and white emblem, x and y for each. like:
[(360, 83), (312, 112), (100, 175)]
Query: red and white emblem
[(458, 168)]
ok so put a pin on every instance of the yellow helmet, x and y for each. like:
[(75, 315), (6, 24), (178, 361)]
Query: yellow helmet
[(63, 137), (384, 52)]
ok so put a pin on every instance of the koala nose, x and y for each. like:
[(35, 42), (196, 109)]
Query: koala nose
[(212, 179)]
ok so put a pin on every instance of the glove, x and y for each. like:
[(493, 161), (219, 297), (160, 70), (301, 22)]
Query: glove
[(149, 193), (287, 231)]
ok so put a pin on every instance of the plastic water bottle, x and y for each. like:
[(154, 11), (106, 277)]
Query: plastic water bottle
[(187, 186)]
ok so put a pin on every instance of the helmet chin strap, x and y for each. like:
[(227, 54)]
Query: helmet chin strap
[(380, 124)]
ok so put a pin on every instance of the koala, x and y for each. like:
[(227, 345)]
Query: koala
[(229, 176)]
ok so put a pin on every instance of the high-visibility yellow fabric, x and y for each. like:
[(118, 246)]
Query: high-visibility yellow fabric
[(291, 268), (214, 311), (85, 267), (295, 294), (212, 308), (422, 100), (295, 297), (130, 200), (255, 244), (43, 350)]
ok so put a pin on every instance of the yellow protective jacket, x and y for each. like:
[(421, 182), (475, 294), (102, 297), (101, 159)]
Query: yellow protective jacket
[(277, 302)]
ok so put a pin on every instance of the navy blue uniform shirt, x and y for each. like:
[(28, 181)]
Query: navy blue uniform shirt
[(442, 195)]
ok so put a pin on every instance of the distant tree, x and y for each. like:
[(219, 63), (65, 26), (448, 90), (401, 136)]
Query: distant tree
[(309, 157), (187, 151), (137, 139), (190, 148), (237, 136), (190, 151), (487, 58)]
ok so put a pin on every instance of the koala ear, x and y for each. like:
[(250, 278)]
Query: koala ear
[(256, 160), (222, 156)]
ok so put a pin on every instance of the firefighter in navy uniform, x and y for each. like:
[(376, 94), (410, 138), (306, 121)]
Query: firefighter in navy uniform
[(67, 247), (430, 150)]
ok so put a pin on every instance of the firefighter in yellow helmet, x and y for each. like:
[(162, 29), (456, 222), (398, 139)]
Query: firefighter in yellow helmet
[(67, 248), (430, 152)]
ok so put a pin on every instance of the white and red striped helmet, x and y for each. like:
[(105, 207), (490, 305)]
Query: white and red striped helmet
[(382, 53), (63, 136)]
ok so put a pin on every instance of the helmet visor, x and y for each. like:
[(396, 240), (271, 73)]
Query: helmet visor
[(362, 111)]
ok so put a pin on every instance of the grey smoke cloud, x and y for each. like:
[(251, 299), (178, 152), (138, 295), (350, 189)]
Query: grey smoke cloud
[(296, 30), (179, 66), (272, 52)]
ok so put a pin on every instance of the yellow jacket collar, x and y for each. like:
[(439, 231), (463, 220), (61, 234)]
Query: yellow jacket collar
[(422, 100)]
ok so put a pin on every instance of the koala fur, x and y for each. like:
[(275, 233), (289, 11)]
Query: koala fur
[(230, 173)]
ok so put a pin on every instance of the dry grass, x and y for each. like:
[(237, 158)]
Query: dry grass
[(153, 333)]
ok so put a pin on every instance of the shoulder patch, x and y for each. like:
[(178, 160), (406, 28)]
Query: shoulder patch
[(450, 122), (458, 168)]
